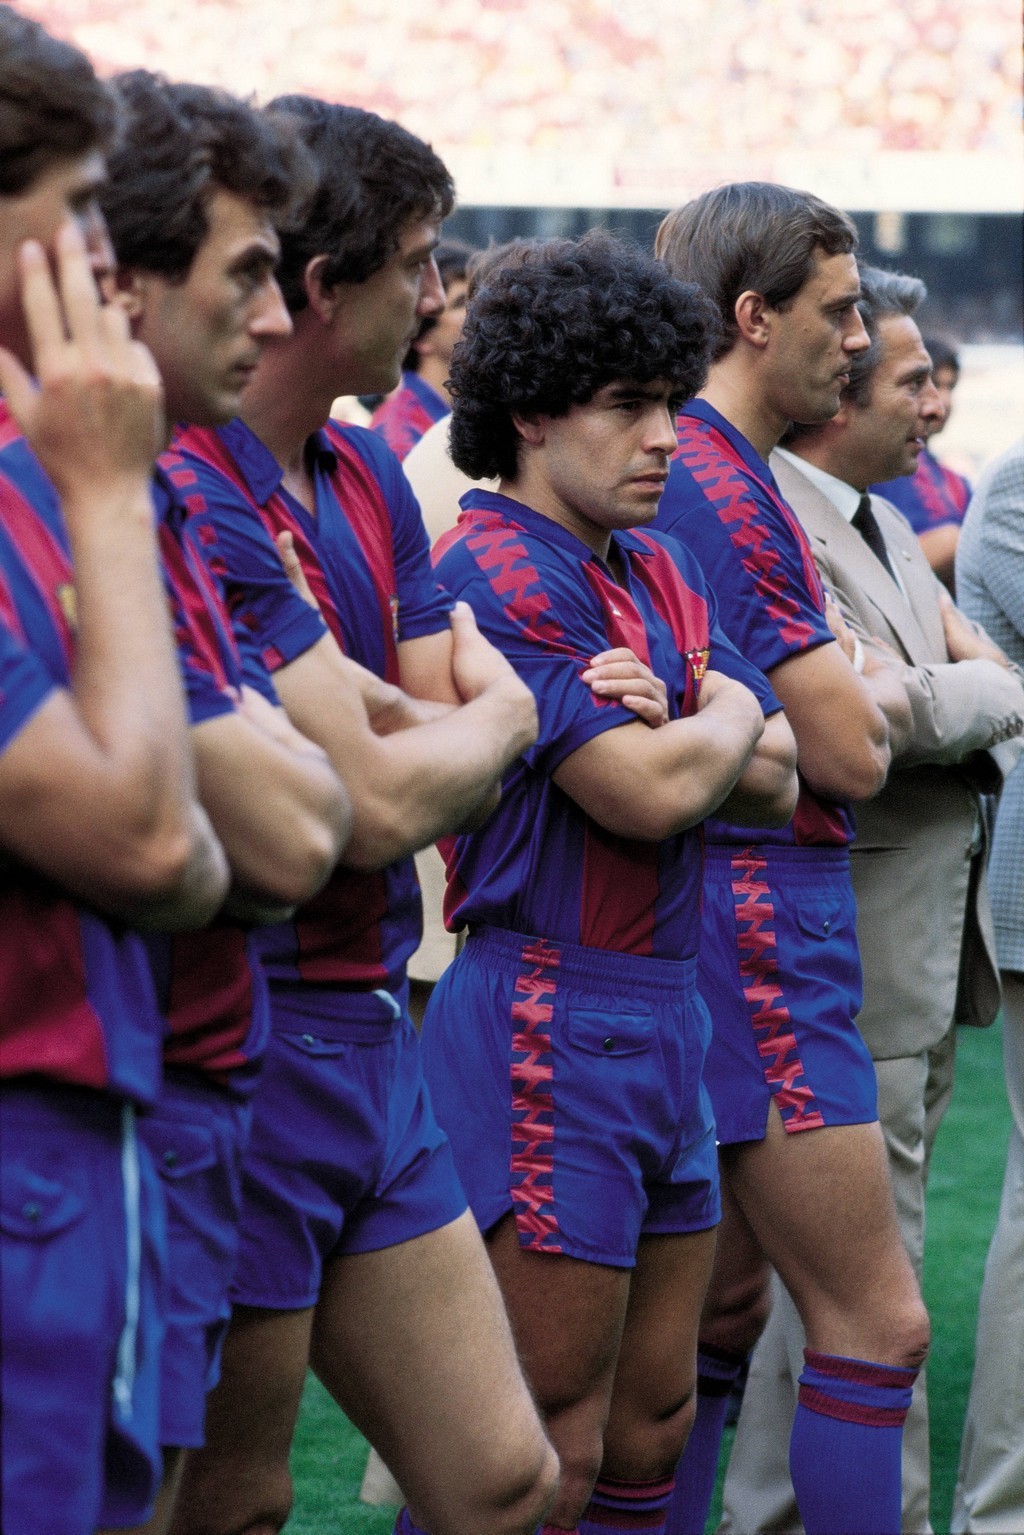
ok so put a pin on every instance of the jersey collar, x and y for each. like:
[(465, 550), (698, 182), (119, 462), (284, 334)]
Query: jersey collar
[(259, 468), (700, 410), (543, 528)]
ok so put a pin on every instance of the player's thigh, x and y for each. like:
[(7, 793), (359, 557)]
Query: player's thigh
[(242, 1472), (821, 1204), (414, 1343), (567, 1316), (739, 1295), (656, 1373)]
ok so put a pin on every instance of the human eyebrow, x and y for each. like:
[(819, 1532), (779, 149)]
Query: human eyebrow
[(256, 259)]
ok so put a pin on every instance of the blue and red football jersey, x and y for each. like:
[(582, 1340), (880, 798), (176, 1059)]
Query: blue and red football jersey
[(722, 502), (932, 497), (403, 417), (210, 984), (540, 865), (76, 995), (366, 558)]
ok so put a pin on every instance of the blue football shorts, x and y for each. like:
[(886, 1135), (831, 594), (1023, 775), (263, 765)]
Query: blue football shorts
[(345, 1155), (780, 973), (569, 1082), (82, 1260), (196, 1136)]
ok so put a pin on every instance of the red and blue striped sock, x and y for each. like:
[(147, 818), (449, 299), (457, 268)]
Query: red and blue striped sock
[(717, 1373), (627, 1506), (845, 1453)]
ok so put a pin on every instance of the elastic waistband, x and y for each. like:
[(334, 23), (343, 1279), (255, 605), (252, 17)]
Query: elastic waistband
[(516, 953), (332, 1014), (822, 859)]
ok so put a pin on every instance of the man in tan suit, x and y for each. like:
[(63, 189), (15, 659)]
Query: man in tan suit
[(918, 858)]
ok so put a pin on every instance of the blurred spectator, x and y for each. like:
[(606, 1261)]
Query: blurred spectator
[(581, 78)]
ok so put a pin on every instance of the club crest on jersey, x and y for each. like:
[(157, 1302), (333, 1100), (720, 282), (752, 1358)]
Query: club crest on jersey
[(393, 605), (67, 599), (698, 663)]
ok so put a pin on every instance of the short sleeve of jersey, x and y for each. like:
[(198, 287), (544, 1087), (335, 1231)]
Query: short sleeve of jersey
[(549, 635), (755, 567), (264, 604), (423, 603), (254, 669), (24, 684)]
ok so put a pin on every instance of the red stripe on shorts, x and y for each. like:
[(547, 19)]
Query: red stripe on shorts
[(533, 1105), (759, 970)]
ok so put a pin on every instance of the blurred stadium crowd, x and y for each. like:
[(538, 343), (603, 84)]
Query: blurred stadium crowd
[(580, 77)]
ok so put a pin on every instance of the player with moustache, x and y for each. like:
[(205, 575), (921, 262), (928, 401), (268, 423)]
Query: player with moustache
[(564, 1045), (803, 1160), (196, 184), (358, 1254), (99, 826)]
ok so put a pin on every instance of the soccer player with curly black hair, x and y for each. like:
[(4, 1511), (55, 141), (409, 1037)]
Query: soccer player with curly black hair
[(564, 1046)]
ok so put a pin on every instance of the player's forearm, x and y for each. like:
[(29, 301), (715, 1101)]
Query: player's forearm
[(766, 791), (284, 833), (127, 690), (653, 784), (711, 751), (433, 779)]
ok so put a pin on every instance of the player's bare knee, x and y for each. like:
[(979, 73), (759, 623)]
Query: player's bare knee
[(514, 1503), (915, 1336), (737, 1316), (261, 1508)]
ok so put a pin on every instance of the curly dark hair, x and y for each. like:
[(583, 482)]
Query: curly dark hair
[(373, 176), (179, 144), (51, 104), (557, 322)]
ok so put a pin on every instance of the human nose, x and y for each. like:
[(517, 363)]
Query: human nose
[(431, 301), (931, 407), (271, 318), (661, 434), (855, 337)]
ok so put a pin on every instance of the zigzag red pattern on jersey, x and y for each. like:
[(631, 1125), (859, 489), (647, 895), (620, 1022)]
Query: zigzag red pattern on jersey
[(507, 565), (759, 968), (533, 1109), (738, 512)]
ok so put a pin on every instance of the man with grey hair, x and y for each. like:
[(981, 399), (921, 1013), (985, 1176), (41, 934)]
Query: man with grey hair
[(918, 856)]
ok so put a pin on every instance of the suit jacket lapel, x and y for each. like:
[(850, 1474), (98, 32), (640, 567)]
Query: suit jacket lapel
[(917, 577), (848, 551)]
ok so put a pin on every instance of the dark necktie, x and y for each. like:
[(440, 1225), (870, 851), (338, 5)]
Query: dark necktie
[(866, 523)]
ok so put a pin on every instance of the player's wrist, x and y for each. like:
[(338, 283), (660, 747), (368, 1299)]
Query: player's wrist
[(119, 505)]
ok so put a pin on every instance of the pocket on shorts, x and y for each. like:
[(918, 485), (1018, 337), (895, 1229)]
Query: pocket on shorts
[(312, 1044), (180, 1150), (821, 915), (35, 1207), (609, 1033)]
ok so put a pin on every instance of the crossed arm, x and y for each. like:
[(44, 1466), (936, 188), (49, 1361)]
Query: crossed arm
[(97, 790)]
